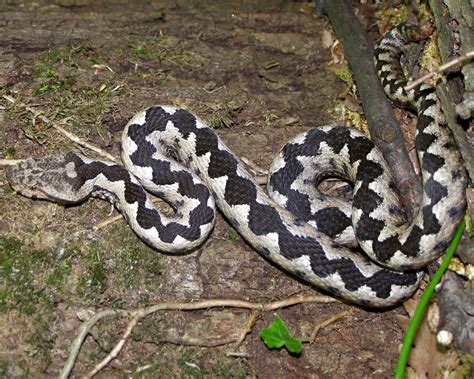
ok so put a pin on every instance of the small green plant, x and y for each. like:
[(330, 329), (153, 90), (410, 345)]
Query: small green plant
[(18, 290), (94, 281), (277, 336), (50, 86), (10, 152), (181, 55), (232, 235), (59, 273), (140, 51)]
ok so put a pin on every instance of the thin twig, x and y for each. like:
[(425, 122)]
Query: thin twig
[(107, 222), (245, 330), (139, 313), (63, 131), (116, 350), (254, 167), (195, 341), (438, 70), (10, 162), (237, 354), (118, 217), (84, 330), (261, 180), (327, 322), (260, 175)]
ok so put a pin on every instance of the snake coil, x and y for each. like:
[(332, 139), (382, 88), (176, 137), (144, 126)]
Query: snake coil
[(173, 154)]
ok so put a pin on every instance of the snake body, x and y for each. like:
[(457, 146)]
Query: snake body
[(173, 154)]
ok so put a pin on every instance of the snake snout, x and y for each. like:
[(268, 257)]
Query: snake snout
[(43, 178), (23, 183)]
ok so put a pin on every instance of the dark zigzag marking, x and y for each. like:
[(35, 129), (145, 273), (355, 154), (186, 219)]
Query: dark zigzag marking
[(264, 219), (156, 120), (297, 203), (146, 218), (330, 221), (432, 163)]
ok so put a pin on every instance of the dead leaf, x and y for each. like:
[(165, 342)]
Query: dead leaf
[(427, 359), (353, 104), (327, 39)]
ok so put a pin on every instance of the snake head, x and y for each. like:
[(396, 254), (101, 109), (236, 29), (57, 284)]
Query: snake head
[(51, 177)]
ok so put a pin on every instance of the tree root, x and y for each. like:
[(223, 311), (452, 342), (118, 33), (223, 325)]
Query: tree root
[(137, 314)]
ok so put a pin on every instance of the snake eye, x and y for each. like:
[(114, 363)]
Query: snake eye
[(172, 154), (299, 222)]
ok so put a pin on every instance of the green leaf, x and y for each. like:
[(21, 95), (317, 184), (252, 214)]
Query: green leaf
[(276, 336)]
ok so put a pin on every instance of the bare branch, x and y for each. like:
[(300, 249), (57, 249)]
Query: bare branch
[(116, 350), (383, 125), (140, 313), (76, 345), (10, 162), (245, 330), (438, 70), (327, 322)]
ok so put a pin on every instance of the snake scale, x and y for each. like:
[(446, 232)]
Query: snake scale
[(171, 153)]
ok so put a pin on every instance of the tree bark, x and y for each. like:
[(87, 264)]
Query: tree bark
[(456, 308), (454, 20)]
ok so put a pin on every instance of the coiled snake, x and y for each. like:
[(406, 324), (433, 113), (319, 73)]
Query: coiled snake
[(173, 154)]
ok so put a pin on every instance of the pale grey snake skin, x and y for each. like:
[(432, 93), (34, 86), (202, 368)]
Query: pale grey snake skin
[(173, 154)]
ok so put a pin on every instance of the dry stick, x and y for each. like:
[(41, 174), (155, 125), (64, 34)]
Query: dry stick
[(444, 67), (260, 174), (327, 322), (449, 110), (63, 131), (253, 166), (143, 312), (237, 354), (83, 332), (107, 222), (195, 341), (116, 350), (459, 134), (10, 162), (245, 330)]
